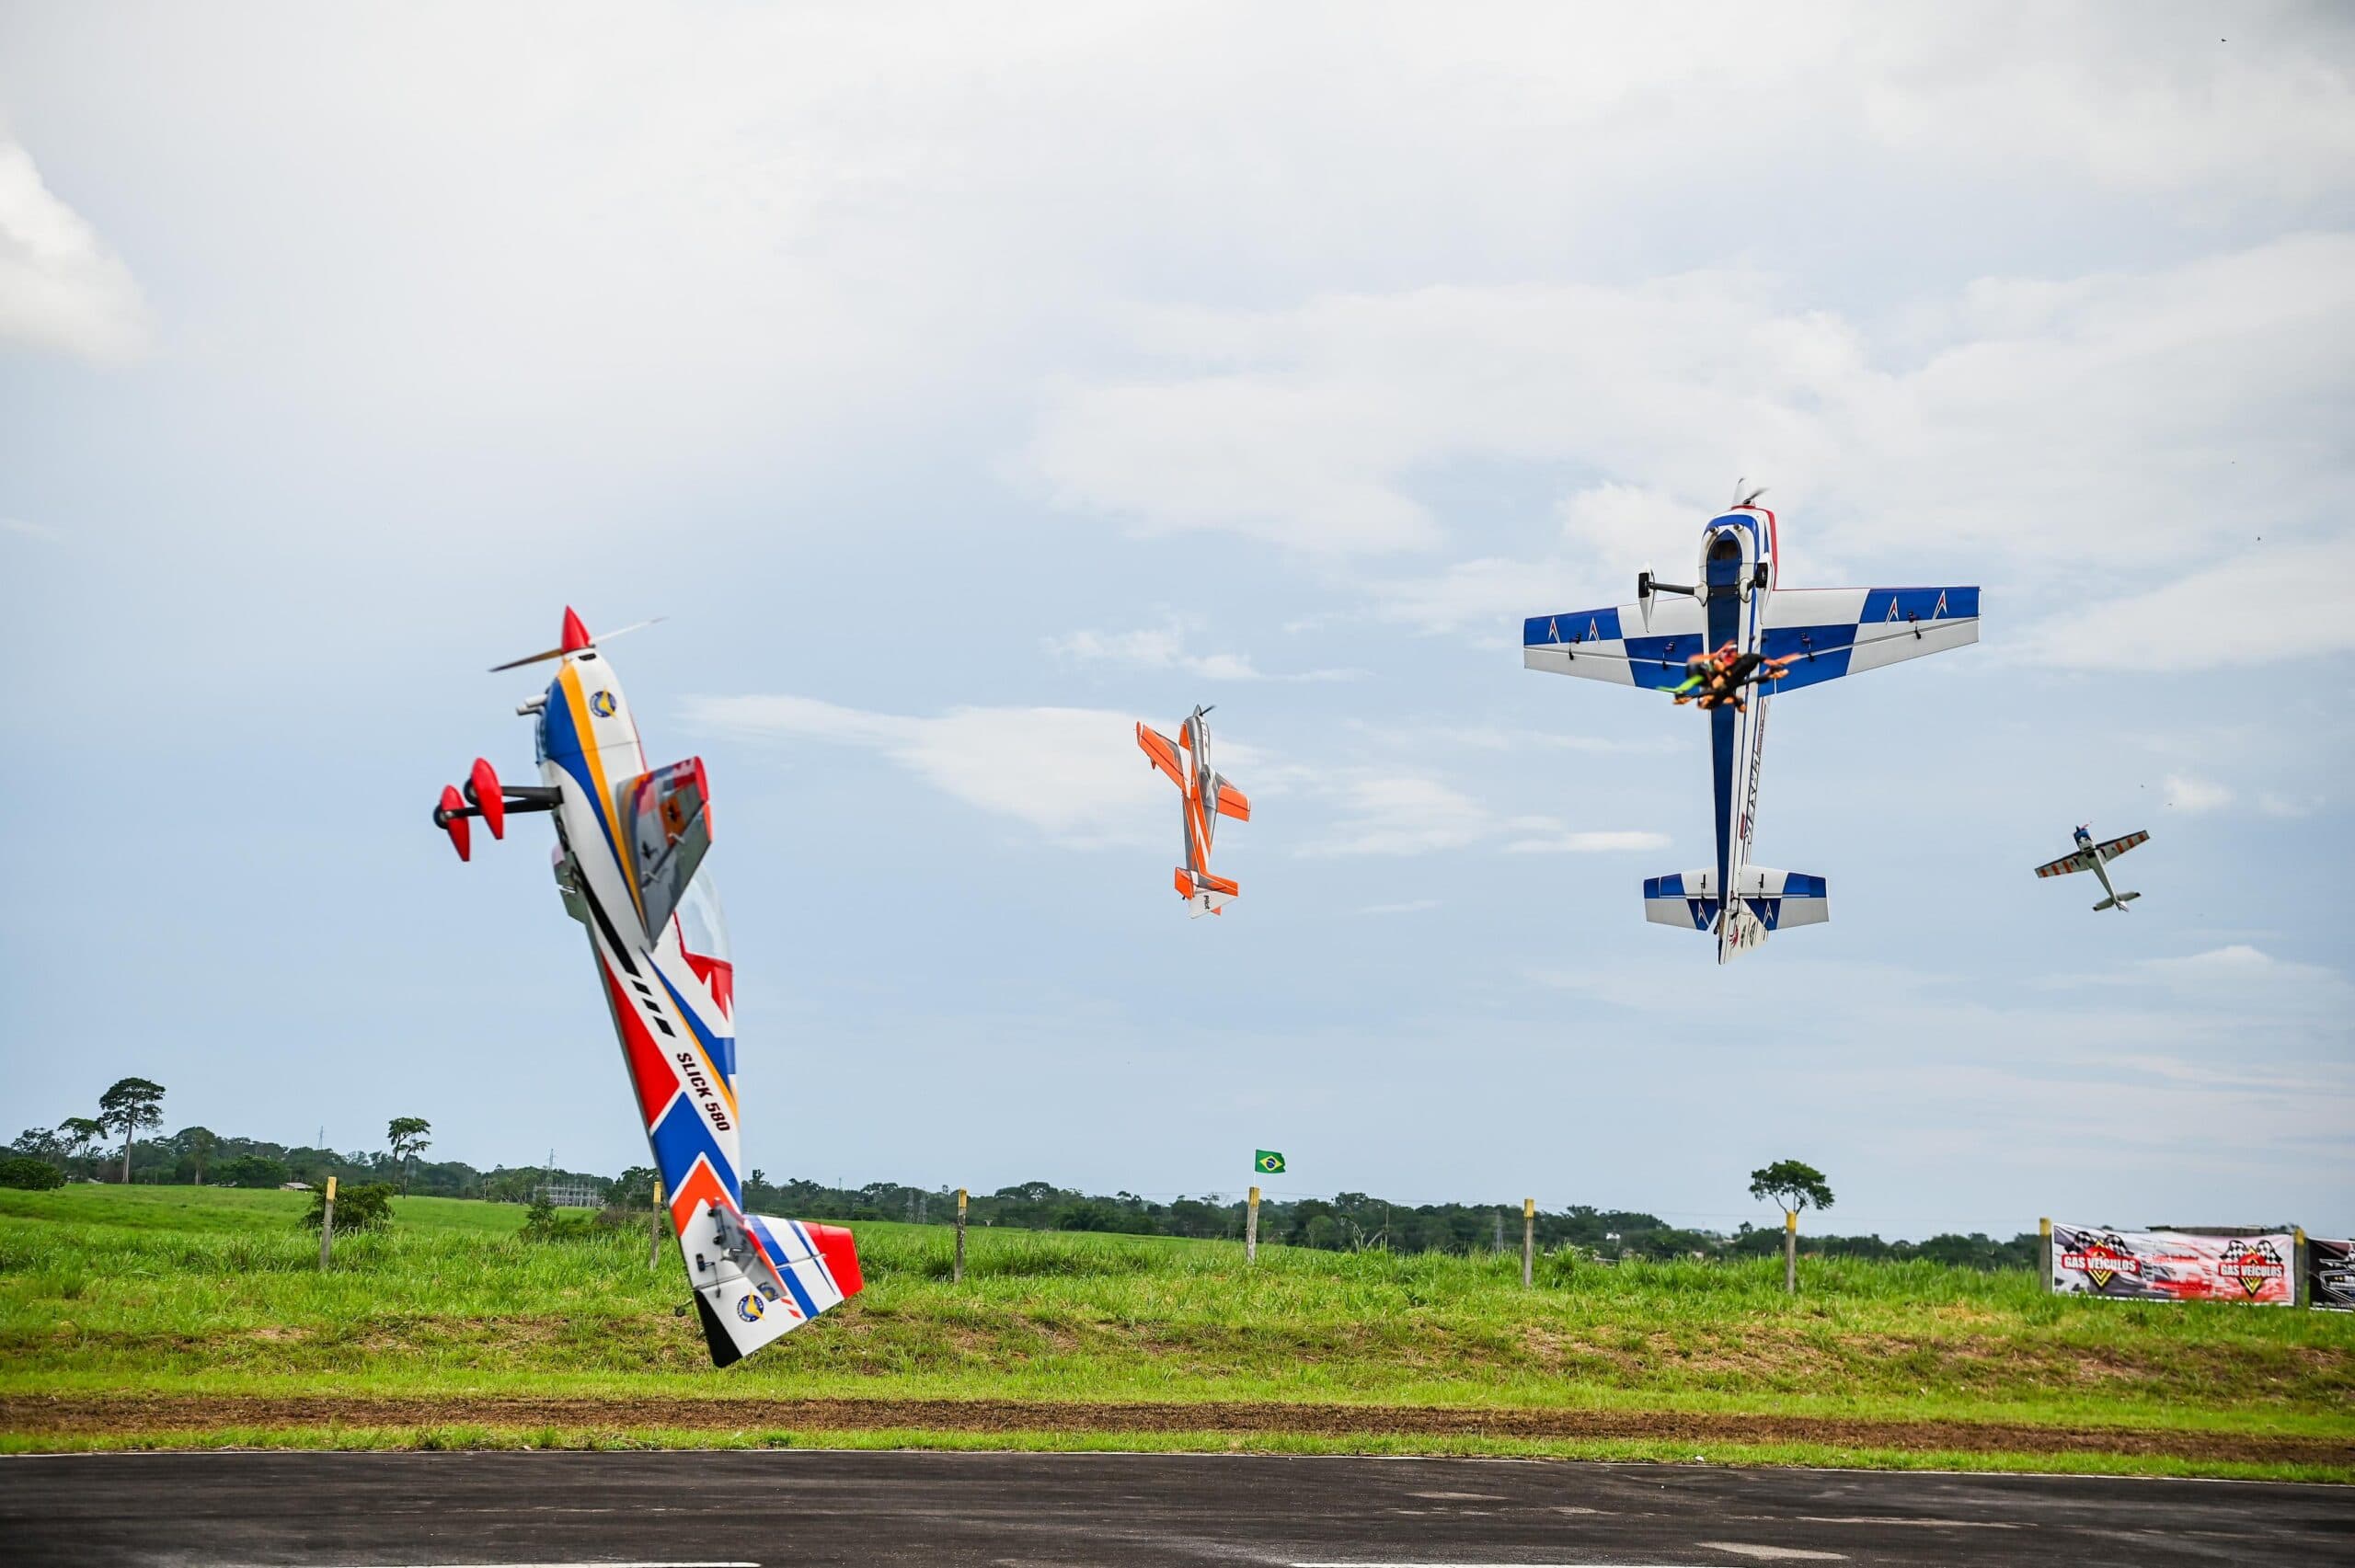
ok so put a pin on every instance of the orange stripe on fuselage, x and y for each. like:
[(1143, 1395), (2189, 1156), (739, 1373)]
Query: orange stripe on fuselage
[(700, 1187)]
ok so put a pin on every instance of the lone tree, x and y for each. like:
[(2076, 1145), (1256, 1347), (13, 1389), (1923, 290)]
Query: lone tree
[(1794, 1187), (408, 1136), (80, 1135), (132, 1104)]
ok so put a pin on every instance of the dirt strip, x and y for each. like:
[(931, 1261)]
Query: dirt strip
[(128, 1415)]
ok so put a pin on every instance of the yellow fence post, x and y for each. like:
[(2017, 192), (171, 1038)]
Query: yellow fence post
[(1251, 1230), (1528, 1241), (1790, 1251), (327, 1224), (957, 1270), (2044, 1253), (654, 1229)]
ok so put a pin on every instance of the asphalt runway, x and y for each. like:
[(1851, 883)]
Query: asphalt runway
[(786, 1507)]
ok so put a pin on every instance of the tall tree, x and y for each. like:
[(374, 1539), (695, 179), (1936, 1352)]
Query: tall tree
[(1794, 1187), (199, 1143), (132, 1104), (408, 1137)]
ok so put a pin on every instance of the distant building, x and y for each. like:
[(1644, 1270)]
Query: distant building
[(574, 1195)]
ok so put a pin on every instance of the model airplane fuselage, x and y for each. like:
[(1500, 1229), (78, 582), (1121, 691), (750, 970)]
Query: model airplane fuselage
[(628, 860), (1206, 797), (1824, 633), (2096, 858)]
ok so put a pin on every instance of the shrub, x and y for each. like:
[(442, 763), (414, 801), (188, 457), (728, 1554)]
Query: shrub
[(253, 1171), (368, 1206), (23, 1171)]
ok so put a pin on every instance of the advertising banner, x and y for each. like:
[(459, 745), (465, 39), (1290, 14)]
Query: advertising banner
[(2330, 1275), (2169, 1265)]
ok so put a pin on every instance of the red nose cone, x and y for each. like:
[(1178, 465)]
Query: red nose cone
[(576, 635)]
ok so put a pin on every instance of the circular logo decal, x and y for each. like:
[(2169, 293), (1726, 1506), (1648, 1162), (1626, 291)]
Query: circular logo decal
[(751, 1308), (602, 703)]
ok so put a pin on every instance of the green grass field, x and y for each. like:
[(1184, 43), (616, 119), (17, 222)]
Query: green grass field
[(188, 1295)]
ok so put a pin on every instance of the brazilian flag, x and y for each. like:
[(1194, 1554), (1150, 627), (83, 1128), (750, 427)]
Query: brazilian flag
[(1268, 1162)]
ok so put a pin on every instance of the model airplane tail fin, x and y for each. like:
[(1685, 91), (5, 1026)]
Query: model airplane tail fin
[(1208, 895), (2116, 903), (1771, 900), (802, 1269)]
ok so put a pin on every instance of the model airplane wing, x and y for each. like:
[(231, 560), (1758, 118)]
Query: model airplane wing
[(670, 829), (1162, 752), (1831, 632), (1618, 644), (2112, 848), (2080, 860), (1230, 801)]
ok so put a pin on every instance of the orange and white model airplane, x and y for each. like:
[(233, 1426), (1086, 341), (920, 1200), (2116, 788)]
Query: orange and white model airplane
[(1208, 797)]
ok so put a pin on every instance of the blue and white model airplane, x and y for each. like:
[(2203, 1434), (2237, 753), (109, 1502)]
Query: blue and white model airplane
[(1823, 633)]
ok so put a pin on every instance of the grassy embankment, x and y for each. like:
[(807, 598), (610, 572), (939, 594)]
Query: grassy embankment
[(182, 1315)]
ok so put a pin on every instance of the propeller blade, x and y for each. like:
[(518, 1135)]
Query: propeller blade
[(571, 647)]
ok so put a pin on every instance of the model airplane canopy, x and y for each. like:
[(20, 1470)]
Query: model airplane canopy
[(1206, 797), (1823, 633), (628, 858)]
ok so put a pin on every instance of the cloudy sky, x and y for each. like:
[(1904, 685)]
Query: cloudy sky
[(966, 383)]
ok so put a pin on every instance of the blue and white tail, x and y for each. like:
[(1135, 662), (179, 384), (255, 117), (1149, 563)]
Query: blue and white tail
[(1769, 900)]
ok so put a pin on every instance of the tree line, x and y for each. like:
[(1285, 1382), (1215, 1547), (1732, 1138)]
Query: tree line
[(1348, 1221)]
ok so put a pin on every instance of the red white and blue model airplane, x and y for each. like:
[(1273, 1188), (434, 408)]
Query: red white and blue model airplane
[(1792, 637), (2096, 858), (629, 849)]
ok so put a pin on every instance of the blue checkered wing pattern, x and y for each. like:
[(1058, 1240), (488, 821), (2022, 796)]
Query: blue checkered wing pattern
[(1617, 645), (1831, 632)]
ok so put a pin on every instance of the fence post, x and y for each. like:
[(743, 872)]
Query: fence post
[(654, 1229), (1251, 1230), (957, 1269), (2299, 1295), (327, 1224), (1528, 1240), (2044, 1253), (1790, 1251)]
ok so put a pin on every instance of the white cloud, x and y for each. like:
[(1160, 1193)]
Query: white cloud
[(1562, 841), (1163, 647), (1072, 774), (60, 288), (2033, 424), (2186, 793), (24, 530), (2263, 603), (1388, 813)]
